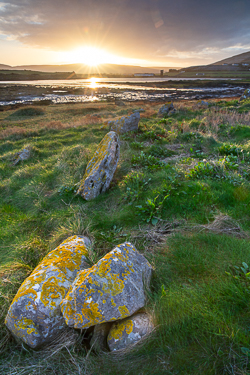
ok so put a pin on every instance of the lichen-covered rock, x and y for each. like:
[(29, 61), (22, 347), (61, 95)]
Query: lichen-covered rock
[(129, 331), (101, 168), (245, 95), (34, 315), (125, 124), (112, 289), (165, 109), (22, 155)]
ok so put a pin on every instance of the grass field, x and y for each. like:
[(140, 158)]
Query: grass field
[(181, 195)]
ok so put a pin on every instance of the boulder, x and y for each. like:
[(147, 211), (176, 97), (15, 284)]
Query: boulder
[(125, 124), (22, 155), (165, 109), (112, 289), (245, 95), (34, 315), (129, 331), (101, 168)]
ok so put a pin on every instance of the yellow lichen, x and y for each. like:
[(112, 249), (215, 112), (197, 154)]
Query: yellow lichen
[(118, 329), (123, 311), (52, 290), (27, 325)]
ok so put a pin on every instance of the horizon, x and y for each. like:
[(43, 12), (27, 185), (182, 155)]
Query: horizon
[(147, 33)]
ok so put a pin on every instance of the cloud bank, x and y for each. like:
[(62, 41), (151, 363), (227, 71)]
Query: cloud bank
[(156, 30)]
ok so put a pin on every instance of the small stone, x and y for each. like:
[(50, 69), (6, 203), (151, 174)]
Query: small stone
[(129, 331), (125, 124), (22, 155), (112, 289), (101, 168), (164, 110), (34, 315), (245, 95)]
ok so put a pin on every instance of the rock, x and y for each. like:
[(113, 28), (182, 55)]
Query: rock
[(120, 103), (110, 290), (164, 110), (245, 95), (34, 315), (101, 168), (129, 331), (125, 124), (140, 110), (204, 103), (22, 155), (99, 339)]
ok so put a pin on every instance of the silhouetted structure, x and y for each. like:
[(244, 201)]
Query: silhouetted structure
[(161, 71)]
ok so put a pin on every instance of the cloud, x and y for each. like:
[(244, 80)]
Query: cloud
[(147, 29)]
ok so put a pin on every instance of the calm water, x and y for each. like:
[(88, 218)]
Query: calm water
[(115, 89)]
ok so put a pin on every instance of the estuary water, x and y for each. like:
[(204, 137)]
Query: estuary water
[(109, 89)]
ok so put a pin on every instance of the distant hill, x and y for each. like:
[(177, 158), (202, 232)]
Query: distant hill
[(85, 69), (242, 58)]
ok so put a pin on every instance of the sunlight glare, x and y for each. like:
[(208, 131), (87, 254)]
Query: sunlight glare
[(91, 56), (93, 82)]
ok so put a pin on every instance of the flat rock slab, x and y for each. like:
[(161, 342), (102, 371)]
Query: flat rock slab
[(129, 331), (101, 168), (34, 315), (126, 123), (110, 290)]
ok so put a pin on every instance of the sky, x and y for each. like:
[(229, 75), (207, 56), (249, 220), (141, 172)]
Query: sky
[(164, 33)]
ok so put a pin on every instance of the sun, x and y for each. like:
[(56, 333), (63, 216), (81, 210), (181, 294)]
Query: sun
[(90, 56)]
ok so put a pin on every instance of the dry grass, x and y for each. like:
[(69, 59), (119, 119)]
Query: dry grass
[(222, 224)]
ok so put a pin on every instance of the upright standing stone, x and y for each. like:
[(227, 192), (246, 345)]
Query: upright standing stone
[(34, 315), (112, 289), (101, 168)]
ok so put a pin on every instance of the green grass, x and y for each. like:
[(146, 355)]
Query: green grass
[(200, 309)]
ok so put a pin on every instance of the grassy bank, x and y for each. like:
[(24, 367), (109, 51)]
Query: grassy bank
[(181, 194)]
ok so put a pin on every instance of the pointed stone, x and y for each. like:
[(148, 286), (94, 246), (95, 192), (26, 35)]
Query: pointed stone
[(101, 168)]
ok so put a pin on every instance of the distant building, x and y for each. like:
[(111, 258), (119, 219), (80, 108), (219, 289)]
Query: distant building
[(200, 74), (225, 64), (235, 64), (144, 75), (161, 73), (183, 71), (245, 64)]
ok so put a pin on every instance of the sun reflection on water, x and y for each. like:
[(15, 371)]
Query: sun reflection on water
[(93, 83)]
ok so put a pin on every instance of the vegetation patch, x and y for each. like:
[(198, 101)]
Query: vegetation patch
[(189, 216)]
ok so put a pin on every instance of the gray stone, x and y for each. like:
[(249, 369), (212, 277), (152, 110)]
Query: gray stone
[(125, 124), (245, 95), (22, 155), (129, 331), (204, 103), (112, 289), (101, 168), (34, 315), (165, 109)]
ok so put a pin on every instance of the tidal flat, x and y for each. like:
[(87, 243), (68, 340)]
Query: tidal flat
[(120, 89), (180, 194)]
